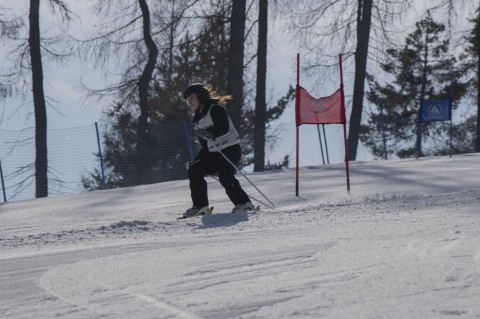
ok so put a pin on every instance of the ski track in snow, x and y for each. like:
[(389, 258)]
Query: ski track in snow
[(136, 229), (404, 244)]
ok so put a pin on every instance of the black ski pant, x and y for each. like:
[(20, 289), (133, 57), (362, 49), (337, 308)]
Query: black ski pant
[(210, 164)]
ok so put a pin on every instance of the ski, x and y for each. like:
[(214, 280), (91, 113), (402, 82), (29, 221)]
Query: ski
[(257, 209), (209, 211)]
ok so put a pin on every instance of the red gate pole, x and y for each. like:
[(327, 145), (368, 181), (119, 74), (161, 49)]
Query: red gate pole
[(297, 109)]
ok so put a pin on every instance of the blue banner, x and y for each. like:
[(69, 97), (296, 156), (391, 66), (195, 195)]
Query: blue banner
[(435, 111)]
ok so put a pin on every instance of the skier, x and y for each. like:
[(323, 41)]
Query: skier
[(216, 134)]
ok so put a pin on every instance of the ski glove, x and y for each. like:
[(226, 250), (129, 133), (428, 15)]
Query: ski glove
[(203, 133)]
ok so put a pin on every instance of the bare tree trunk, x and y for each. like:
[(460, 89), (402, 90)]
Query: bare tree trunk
[(41, 160), (260, 101), (361, 55), (235, 61), (143, 89)]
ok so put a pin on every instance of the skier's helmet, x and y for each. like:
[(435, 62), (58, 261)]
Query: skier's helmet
[(198, 89)]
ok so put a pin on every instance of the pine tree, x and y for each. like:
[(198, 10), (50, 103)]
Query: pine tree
[(471, 66), (425, 58)]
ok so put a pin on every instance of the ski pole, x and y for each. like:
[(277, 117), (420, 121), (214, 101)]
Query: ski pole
[(228, 160), (255, 199)]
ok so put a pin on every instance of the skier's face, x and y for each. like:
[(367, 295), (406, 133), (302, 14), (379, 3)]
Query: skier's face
[(193, 101)]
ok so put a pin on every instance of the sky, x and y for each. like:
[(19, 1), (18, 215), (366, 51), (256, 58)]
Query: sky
[(68, 104), (70, 108), (402, 244)]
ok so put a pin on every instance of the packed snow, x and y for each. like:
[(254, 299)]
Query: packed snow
[(404, 243)]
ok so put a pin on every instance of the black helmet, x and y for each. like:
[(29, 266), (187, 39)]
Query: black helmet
[(197, 88)]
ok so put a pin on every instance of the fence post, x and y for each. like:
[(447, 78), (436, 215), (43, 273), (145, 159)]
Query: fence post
[(101, 157), (3, 184), (382, 119), (326, 146), (320, 140), (450, 131)]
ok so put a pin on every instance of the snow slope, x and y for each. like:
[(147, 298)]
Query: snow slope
[(405, 243)]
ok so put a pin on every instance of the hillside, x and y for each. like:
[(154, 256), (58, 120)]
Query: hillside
[(402, 244)]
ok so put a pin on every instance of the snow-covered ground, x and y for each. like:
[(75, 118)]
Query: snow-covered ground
[(405, 243)]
